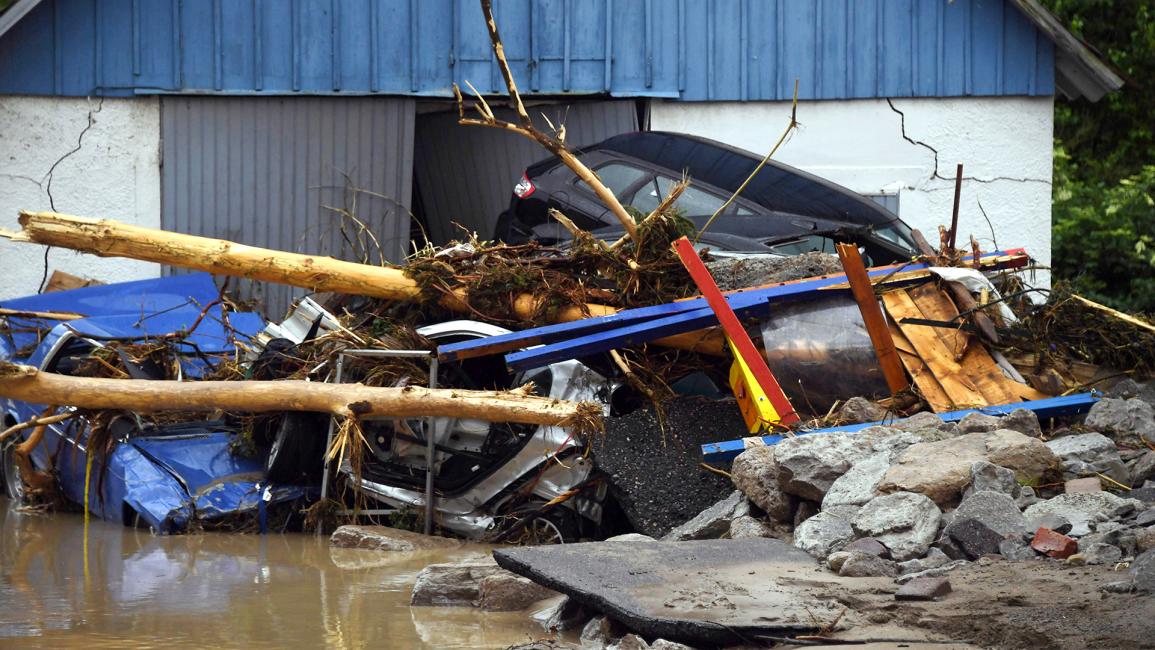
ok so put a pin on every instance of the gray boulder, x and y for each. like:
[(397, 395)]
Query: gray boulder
[(1123, 417), (713, 522), (1027, 497), (509, 592), (756, 474), (455, 584), (1088, 454), (1145, 518), (1125, 388), (941, 470), (869, 545), (746, 527), (857, 485), (823, 534), (1143, 572), (925, 421), (986, 476), (864, 565), (383, 538), (972, 538), (995, 510), (1097, 554), (1124, 538), (809, 465), (931, 573), (859, 410), (1084, 509), (1017, 550), (1024, 421), (905, 522), (934, 559), (978, 423), (601, 632), (1142, 469)]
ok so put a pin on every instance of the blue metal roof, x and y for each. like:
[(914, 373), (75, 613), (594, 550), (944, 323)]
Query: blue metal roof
[(684, 49)]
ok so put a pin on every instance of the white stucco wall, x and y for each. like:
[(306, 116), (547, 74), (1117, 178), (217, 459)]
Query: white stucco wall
[(1004, 144), (114, 173)]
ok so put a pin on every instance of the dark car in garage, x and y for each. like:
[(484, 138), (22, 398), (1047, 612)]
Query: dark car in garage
[(783, 210)]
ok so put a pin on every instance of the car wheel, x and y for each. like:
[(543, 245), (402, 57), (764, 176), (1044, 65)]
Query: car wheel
[(13, 481), (556, 526), (295, 455)]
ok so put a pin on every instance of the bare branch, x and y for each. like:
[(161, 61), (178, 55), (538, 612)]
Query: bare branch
[(526, 128), (789, 128)]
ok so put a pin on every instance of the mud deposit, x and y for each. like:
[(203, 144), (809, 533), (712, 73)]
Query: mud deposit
[(656, 476), (1003, 604), (119, 587)]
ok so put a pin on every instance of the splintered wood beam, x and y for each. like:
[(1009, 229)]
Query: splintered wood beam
[(872, 316), (343, 400)]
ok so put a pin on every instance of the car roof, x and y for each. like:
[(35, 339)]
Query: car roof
[(136, 310), (777, 186)]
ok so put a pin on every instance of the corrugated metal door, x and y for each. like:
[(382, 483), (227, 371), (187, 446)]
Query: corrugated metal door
[(465, 174), (290, 173)]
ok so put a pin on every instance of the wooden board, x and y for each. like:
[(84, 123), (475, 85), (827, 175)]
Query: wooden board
[(976, 361), (924, 379), (972, 379), (961, 389)]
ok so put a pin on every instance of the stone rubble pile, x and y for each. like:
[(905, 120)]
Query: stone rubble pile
[(921, 496)]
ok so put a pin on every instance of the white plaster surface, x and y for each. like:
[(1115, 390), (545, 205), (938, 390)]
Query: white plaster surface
[(114, 174), (1004, 143)]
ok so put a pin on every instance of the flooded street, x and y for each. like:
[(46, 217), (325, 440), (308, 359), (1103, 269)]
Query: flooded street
[(119, 587)]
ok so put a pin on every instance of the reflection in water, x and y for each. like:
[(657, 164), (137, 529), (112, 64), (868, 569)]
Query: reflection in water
[(135, 590)]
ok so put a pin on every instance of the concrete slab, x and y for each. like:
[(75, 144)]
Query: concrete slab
[(697, 592)]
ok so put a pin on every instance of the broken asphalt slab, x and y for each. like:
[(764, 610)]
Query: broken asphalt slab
[(696, 592)]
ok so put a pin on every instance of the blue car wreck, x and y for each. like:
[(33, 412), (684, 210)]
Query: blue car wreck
[(165, 476)]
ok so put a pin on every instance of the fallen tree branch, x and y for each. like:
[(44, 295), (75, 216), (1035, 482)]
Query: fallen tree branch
[(108, 238), (343, 400), (789, 128), (34, 422), (526, 128)]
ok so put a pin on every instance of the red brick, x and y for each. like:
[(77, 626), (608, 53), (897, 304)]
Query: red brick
[(1053, 544)]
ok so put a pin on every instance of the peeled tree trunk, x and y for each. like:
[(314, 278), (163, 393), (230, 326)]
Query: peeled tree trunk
[(344, 400), (107, 238)]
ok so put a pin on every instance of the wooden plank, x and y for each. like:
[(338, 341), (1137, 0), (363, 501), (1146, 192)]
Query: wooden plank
[(873, 318), (977, 362), (935, 306), (755, 363), (924, 379), (934, 353)]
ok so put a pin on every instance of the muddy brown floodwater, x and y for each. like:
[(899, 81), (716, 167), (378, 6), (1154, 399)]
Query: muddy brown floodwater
[(118, 587)]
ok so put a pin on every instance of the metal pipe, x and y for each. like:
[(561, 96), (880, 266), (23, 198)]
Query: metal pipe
[(430, 451)]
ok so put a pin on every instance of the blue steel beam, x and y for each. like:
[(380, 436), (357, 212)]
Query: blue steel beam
[(740, 299), (1044, 408), (744, 304)]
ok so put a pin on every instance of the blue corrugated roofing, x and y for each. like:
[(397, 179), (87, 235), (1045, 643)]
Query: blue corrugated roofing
[(685, 49)]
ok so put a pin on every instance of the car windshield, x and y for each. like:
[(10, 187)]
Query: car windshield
[(897, 232)]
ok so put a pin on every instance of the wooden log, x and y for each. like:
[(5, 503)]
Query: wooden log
[(346, 400), (108, 238)]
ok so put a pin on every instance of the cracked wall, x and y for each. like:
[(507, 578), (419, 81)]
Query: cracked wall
[(872, 146), (98, 158)]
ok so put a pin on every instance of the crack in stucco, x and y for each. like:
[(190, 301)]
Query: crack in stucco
[(91, 119), (46, 183), (935, 175)]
